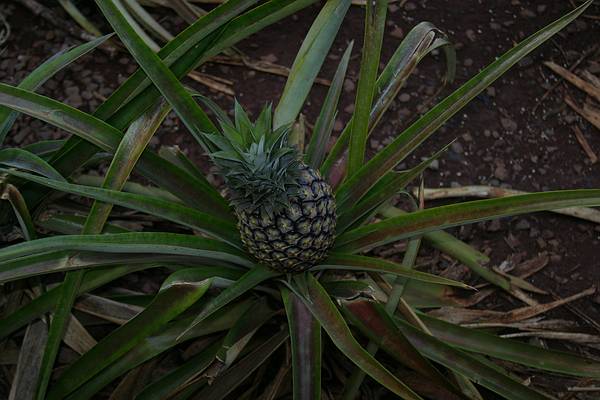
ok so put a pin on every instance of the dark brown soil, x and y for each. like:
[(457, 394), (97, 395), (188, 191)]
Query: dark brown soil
[(501, 140)]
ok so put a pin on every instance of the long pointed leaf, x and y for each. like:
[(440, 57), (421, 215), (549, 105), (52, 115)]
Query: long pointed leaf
[(154, 345), (359, 183), (309, 59), (135, 243), (351, 262), (512, 350), (320, 305), (317, 147), (419, 42), (105, 136), (451, 358), (432, 219), (169, 210), (369, 65), (44, 72), (168, 303), (23, 159), (248, 281), (305, 335)]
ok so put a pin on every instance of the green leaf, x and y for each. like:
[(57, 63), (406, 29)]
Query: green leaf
[(161, 342), (47, 300), (375, 322), (44, 72), (172, 211), (101, 134), (308, 61), (237, 374), (433, 219), (194, 118), (147, 21), (453, 359), (126, 156), (12, 194), (419, 42), (81, 19), (349, 262), (128, 152), (187, 51), (171, 301), (360, 210), (192, 368), (369, 65), (23, 159), (320, 305), (134, 243), (305, 335), (247, 282), (511, 350), (459, 250), (63, 261), (317, 147), (72, 225), (359, 183)]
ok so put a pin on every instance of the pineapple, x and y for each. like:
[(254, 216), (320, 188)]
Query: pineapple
[(286, 211)]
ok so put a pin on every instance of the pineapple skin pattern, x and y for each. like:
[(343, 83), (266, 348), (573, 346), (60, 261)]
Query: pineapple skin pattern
[(298, 236)]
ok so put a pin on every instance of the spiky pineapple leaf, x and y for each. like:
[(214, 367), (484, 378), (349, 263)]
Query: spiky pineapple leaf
[(475, 340), (308, 61), (305, 336), (350, 262), (42, 73), (317, 147), (324, 310), (127, 243), (367, 316), (375, 14), (167, 209), (360, 182), (433, 219), (419, 41), (25, 160), (156, 169)]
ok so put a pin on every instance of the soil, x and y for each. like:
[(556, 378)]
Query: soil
[(506, 137)]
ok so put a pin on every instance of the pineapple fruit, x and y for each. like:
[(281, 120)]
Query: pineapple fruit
[(286, 210)]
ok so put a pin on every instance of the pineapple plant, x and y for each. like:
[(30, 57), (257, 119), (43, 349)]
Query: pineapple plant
[(241, 309), (285, 209)]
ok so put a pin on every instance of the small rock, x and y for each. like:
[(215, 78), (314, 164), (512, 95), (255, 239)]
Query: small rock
[(508, 124), (471, 35), (410, 6), (522, 225), (494, 226), (338, 125), (491, 91), (495, 26), (457, 147), (349, 108), (468, 62), (527, 13), (434, 165), (501, 172), (397, 32), (269, 58), (349, 86), (541, 8), (404, 98)]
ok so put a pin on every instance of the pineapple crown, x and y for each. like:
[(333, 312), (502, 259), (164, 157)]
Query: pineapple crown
[(259, 166)]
